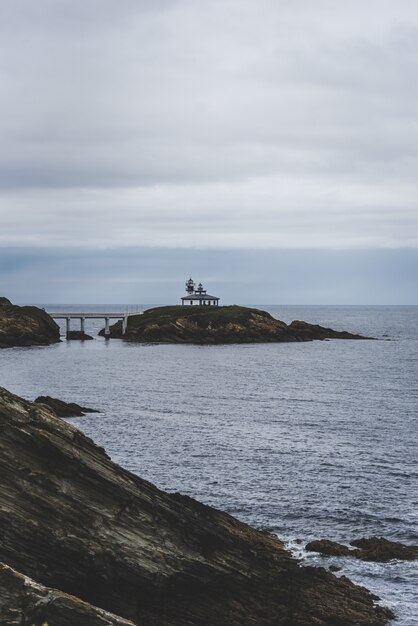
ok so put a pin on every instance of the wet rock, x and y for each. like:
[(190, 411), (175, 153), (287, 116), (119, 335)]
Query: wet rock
[(376, 549), (381, 550), (64, 409), (328, 548), (218, 325), (78, 334), (334, 568), (26, 326), (72, 520)]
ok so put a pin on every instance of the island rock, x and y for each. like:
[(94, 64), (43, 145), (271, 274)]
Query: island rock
[(26, 326), (218, 325), (72, 520)]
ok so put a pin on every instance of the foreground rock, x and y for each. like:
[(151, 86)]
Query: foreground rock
[(218, 325), (64, 409), (78, 334), (24, 601), (376, 549), (26, 326), (72, 520)]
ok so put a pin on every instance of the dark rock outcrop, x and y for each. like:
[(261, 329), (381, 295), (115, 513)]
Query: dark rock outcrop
[(328, 548), (376, 549), (78, 334), (26, 326), (72, 520), (379, 549), (218, 325), (64, 409)]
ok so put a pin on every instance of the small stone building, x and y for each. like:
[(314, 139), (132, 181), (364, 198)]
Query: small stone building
[(199, 296)]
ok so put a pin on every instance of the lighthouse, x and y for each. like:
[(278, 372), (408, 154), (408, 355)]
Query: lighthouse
[(198, 296)]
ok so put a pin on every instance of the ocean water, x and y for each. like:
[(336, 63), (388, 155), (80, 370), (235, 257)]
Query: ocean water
[(307, 440)]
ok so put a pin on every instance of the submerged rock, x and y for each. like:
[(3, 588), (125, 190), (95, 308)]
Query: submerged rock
[(218, 325), (73, 520), (78, 334), (64, 409), (26, 326)]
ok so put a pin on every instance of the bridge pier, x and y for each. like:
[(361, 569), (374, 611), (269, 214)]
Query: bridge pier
[(68, 319), (124, 324), (82, 325), (107, 329)]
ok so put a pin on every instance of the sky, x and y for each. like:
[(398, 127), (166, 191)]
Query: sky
[(268, 148)]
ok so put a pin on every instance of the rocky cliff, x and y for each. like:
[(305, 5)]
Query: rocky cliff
[(217, 325), (73, 525), (26, 326)]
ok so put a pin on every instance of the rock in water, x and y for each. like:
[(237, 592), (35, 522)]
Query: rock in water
[(376, 549), (328, 548), (381, 550), (73, 520), (218, 325), (64, 409), (26, 326)]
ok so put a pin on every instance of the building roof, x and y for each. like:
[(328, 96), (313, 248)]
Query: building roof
[(200, 296)]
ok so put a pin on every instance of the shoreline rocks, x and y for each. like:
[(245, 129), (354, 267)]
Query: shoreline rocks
[(72, 520), (26, 326), (218, 325)]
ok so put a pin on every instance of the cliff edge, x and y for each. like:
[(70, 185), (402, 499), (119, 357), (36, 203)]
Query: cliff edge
[(80, 535)]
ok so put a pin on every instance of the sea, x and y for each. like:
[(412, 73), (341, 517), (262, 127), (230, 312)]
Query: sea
[(305, 440)]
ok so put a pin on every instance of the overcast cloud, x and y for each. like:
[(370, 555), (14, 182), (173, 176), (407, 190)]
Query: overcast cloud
[(233, 124)]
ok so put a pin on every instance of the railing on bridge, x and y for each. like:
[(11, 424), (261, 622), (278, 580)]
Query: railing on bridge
[(70, 315)]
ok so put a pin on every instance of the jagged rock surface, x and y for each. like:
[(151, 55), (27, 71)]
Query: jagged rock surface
[(73, 520), (217, 325), (64, 409), (25, 602), (26, 326)]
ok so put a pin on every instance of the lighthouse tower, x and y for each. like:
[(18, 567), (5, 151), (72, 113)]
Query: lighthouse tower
[(190, 286)]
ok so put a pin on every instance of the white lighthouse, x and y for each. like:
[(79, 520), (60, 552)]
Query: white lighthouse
[(199, 296)]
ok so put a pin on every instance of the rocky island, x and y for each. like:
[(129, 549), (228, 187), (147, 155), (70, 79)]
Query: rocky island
[(218, 325), (83, 541), (26, 326)]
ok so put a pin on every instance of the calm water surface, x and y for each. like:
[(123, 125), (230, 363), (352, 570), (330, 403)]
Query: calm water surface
[(307, 440)]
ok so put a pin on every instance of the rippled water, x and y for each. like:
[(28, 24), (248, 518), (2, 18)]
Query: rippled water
[(307, 440)]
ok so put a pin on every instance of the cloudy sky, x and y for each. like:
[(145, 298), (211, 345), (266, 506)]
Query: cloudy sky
[(267, 147)]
